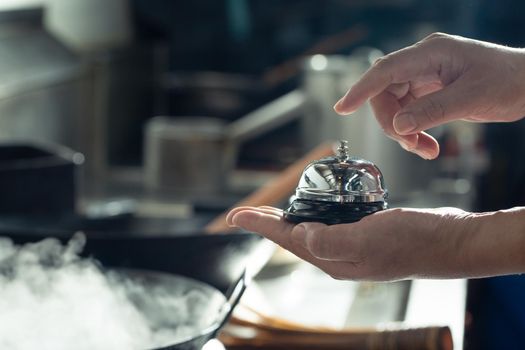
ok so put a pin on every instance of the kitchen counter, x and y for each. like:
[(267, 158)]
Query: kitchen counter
[(308, 296), (439, 302)]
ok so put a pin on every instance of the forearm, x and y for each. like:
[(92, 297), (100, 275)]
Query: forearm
[(497, 244)]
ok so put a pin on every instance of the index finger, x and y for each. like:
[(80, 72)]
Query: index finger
[(394, 68)]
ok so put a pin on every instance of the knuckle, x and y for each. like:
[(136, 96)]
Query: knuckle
[(382, 63), (385, 67), (437, 36), (436, 41)]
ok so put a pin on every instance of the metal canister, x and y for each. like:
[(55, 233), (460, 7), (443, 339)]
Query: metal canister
[(188, 155)]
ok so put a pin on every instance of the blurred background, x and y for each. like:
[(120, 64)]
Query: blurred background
[(183, 108)]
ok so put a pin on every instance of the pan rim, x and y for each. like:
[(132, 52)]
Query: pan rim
[(213, 327)]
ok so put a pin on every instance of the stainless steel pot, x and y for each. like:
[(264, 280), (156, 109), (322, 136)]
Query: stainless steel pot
[(196, 154)]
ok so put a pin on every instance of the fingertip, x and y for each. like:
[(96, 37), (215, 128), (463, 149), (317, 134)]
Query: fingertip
[(245, 218), (349, 103), (231, 214), (423, 154), (339, 105), (231, 220), (430, 154), (427, 147), (408, 142), (229, 217), (345, 106), (340, 108)]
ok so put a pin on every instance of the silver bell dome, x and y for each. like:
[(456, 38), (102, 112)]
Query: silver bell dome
[(342, 179)]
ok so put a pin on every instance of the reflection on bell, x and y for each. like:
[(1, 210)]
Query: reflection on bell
[(336, 190)]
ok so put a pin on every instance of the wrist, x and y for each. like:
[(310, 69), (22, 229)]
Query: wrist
[(518, 69), (498, 243)]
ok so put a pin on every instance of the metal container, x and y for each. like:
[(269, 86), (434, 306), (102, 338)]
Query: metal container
[(195, 155), (187, 154), (340, 189)]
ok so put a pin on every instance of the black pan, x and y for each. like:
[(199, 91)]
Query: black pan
[(215, 259), (216, 306), (219, 262)]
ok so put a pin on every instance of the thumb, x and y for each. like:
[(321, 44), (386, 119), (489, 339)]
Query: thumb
[(450, 103)]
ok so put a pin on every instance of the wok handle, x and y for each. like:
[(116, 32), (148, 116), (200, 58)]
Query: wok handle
[(234, 295)]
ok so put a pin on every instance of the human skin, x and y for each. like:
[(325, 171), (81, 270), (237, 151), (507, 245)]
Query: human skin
[(437, 80), (400, 243)]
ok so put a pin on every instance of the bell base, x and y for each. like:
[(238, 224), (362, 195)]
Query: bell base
[(329, 213)]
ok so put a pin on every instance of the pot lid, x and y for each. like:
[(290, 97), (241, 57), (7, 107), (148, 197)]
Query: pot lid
[(342, 179)]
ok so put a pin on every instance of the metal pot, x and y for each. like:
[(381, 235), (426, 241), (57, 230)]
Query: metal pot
[(196, 154)]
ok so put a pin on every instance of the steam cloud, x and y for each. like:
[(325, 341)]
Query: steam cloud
[(51, 299)]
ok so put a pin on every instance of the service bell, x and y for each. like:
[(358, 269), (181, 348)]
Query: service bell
[(336, 190)]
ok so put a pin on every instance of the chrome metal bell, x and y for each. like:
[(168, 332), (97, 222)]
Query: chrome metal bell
[(339, 189)]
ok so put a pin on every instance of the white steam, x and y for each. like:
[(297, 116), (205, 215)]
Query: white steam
[(50, 299)]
